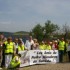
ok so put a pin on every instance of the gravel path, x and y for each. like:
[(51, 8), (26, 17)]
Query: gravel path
[(58, 66)]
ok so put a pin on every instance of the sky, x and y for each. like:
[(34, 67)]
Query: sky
[(23, 15)]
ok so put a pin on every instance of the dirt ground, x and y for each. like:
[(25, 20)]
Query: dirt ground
[(58, 66)]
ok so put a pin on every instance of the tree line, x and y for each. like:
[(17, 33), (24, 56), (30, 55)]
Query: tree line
[(50, 31)]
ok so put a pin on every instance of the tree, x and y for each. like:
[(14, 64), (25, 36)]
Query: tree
[(38, 32), (43, 33), (66, 30), (50, 28)]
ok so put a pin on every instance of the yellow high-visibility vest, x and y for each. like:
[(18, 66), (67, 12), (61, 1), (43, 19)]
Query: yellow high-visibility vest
[(13, 62), (48, 47), (5, 42), (42, 47), (21, 48), (61, 45), (66, 45), (9, 48)]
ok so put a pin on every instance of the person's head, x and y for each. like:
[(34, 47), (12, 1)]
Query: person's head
[(56, 41), (30, 38), (20, 40), (1, 36), (62, 39), (5, 39), (48, 42), (53, 41), (16, 40), (9, 39), (35, 40), (20, 43), (42, 42)]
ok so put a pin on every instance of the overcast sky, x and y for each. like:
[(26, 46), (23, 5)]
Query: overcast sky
[(23, 15)]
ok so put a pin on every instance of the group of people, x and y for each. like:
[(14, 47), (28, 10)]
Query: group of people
[(9, 49)]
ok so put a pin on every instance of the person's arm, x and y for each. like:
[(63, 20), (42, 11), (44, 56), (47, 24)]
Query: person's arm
[(16, 59), (14, 48)]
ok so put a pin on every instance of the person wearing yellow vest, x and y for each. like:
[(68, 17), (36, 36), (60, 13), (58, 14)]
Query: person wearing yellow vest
[(21, 47), (15, 62), (42, 46), (9, 51), (61, 47), (48, 46)]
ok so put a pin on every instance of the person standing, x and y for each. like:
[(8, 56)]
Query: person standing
[(36, 44), (61, 47), (3, 52), (1, 48), (29, 43), (16, 41), (9, 51), (68, 50), (48, 46), (54, 45), (42, 46), (21, 47)]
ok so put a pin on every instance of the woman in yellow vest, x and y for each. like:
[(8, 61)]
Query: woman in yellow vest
[(48, 46), (42, 46), (15, 62), (21, 47), (9, 51)]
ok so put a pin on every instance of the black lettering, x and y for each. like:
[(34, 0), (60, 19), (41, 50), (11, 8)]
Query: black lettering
[(44, 60), (44, 57), (39, 52), (54, 52), (47, 52), (34, 61), (35, 57)]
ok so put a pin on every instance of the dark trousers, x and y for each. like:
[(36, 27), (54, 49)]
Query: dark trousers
[(3, 59), (61, 53), (69, 55)]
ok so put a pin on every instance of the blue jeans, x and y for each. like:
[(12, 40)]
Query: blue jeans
[(61, 53)]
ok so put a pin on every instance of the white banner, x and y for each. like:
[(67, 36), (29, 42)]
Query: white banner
[(43, 56), (38, 57), (25, 58)]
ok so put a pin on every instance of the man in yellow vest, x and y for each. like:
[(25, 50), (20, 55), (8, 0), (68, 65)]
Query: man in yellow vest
[(9, 51), (61, 47), (15, 62)]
